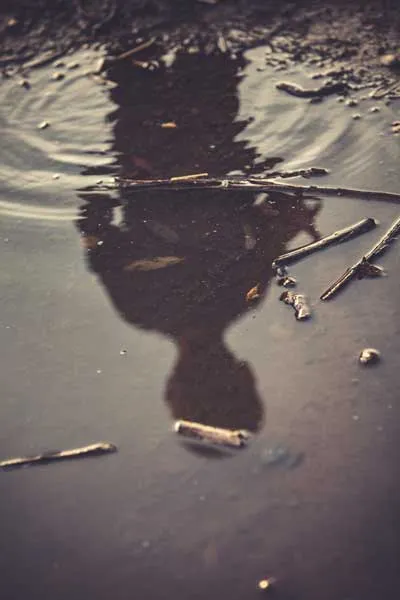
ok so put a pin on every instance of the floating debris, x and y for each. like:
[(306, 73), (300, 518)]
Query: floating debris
[(43, 125), (12, 22), (253, 294), (337, 237), (286, 281), (152, 264), (369, 356), (306, 173), (370, 270), (91, 450), (188, 177), (266, 584), (299, 302), (280, 456), (234, 438), (201, 181), (324, 90), (360, 266)]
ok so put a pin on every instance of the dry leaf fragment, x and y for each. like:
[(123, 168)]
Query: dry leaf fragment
[(253, 293)]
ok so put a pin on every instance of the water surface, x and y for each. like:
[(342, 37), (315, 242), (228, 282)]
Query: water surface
[(94, 348)]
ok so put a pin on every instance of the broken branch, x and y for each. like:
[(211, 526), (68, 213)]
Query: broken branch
[(347, 233), (359, 266), (252, 184), (91, 450)]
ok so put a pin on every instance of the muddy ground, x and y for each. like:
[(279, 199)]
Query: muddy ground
[(323, 34)]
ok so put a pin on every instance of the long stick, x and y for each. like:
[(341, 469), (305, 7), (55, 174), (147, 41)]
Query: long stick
[(355, 269), (347, 233), (91, 450), (246, 185)]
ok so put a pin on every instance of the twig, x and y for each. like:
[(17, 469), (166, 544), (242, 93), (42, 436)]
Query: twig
[(324, 90), (357, 268), (234, 438), (252, 184), (334, 238), (91, 450), (136, 49)]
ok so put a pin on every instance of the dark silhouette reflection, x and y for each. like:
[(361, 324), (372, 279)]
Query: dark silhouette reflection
[(182, 266), (182, 263)]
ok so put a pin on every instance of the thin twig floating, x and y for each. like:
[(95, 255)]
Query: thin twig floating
[(347, 233), (234, 438), (91, 450), (252, 185), (360, 266)]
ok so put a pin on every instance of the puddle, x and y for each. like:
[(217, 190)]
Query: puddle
[(165, 277)]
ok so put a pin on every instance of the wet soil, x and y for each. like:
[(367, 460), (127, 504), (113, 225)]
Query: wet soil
[(122, 312)]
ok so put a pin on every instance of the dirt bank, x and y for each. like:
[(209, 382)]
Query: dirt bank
[(323, 34)]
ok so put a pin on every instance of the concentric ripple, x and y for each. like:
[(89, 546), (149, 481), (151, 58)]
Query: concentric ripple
[(352, 139), (52, 132)]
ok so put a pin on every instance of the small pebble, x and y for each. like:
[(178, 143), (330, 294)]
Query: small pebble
[(390, 60), (57, 76), (369, 356), (351, 102), (25, 84), (374, 109), (357, 116), (43, 125), (56, 176), (265, 584), (122, 352), (73, 65)]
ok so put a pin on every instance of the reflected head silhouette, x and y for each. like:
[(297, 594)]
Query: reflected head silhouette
[(182, 263), (182, 266)]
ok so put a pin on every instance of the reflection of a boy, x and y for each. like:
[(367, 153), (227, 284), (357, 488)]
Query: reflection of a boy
[(226, 248)]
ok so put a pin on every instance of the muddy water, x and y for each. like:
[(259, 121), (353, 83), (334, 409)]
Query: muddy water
[(98, 344)]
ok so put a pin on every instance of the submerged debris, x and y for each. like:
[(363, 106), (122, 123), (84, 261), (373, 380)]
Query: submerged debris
[(299, 302), (337, 237), (234, 438), (364, 263), (152, 264), (91, 450), (369, 356), (324, 90)]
